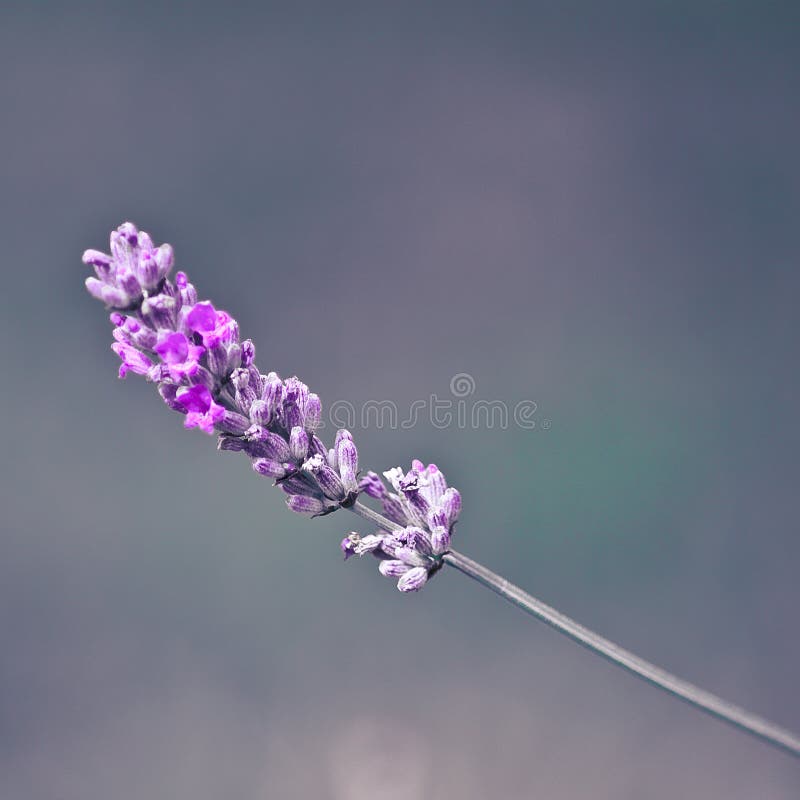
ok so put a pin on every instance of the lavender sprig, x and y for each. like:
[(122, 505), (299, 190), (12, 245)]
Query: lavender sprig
[(201, 368), (193, 353)]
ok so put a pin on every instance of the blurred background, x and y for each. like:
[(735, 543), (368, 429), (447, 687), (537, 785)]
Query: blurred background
[(592, 209)]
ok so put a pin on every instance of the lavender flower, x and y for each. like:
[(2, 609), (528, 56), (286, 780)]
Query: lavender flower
[(192, 352), (414, 552), (201, 410)]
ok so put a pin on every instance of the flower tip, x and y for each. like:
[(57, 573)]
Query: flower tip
[(95, 258), (129, 231), (110, 295), (348, 544), (165, 258), (248, 352)]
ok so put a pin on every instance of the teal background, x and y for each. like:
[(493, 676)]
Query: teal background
[(594, 208)]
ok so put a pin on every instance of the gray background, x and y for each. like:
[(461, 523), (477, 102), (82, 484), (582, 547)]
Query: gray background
[(595, 210)]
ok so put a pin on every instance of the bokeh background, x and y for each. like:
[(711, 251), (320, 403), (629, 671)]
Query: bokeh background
[(592, 208)]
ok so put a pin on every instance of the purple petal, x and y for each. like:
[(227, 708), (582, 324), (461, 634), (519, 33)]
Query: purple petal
[(197, 398), (207, 421), (168, 392), (172, 347), (132, 359), (202, 318)]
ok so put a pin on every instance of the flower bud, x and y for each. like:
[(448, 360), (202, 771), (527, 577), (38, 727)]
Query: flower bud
[(233, 423), (132, 360), (259, 413), (451, 505), (413, 580), (267, 444), (372, 485), (436, 484), (298, 444), (110, 295), (313, 414), (272, 469), (302, 485), (164, 258), (392, 568), (147, 271), (307, 505), (316, 446), (244, 394), (187, 291), (248, 352), (330, 483), (273, 394), (347, 459), (159, 311)]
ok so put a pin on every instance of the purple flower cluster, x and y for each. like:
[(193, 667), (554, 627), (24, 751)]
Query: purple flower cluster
[(193, 353), (425, 507)]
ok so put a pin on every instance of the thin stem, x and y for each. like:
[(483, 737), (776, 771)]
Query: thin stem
[(373, 516), (734, 715), (710, 703)]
